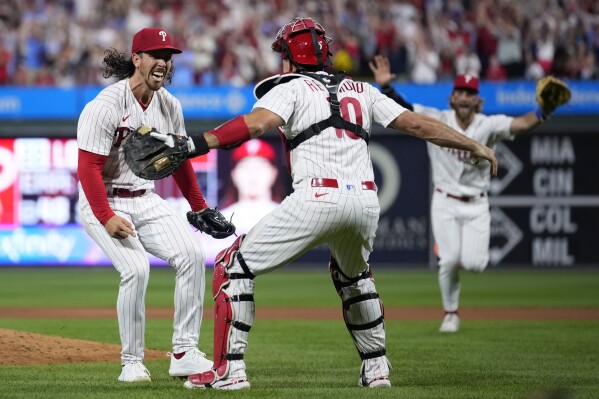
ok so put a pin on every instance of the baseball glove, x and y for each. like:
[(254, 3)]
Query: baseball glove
[(552, 93), (211, 221), (150, 158)]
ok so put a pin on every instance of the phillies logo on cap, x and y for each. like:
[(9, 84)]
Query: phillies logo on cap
[(467, 81), (151, 39)]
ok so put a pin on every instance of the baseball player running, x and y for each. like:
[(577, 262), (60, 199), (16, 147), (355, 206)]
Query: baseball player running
[(326, 121), (460, 208), (126, 218)]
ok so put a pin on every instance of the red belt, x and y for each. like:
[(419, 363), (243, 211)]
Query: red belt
[(464, 198), (124, 193), (324, 182)]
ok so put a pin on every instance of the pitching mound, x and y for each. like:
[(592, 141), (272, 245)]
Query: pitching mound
[(18, 348)]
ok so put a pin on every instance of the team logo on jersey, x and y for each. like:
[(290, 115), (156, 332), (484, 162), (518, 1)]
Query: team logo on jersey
[(461, 155), (122, 130)]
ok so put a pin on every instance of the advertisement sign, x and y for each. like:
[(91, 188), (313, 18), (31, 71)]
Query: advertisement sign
[(39, 216), (223, 102)]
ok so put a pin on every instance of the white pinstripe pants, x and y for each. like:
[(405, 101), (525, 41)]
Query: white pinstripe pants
[(462, 232), (166, 235), (345, 220)]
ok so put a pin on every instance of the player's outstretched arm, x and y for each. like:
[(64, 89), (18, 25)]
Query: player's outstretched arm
[(442, 135), (230, 134), (242, 128), (524, 123)]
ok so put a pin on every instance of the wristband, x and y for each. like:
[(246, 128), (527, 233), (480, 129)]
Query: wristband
[(541, 115), (232, 133), (197, 145)]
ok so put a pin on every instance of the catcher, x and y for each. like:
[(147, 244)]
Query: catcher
[(460, 215)]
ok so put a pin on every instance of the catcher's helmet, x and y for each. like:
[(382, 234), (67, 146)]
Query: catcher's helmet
[(302, 41)]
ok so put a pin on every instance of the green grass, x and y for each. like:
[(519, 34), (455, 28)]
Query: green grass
[(289, 288), (316, 359)]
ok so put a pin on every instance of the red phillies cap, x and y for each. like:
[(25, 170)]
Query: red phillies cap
[(149, 39), (256, 148), (467, 81)]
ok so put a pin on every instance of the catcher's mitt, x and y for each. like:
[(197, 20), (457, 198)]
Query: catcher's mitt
[(211, 221), (150, 158), (552, 93)]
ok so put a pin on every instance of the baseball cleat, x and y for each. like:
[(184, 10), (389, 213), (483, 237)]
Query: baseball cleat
[(209, 380), (379, 382), (451, 323), (193, 362), (134, 372)]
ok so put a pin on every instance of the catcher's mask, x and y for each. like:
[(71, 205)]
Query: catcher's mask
[(302, 41)]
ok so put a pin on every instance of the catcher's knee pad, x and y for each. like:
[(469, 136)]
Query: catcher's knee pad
[(362, 311), (233, 292)]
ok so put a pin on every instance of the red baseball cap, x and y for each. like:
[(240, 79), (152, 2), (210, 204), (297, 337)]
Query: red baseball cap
[(149, 39), (467, 81), (256, 148)]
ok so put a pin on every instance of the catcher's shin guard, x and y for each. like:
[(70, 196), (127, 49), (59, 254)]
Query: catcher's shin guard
[(233, 293), (362, 311)]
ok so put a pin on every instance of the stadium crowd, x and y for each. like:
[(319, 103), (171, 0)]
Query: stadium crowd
[(62, 42)]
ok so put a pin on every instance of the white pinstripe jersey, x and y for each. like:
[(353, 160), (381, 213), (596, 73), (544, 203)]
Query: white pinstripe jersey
[(452, 170), (334, 153), (107, 119)]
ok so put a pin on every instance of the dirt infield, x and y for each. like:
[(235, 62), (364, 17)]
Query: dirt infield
[(24, 348), (19, 348)]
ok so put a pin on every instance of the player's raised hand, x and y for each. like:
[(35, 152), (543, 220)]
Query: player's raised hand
[(484, 152), (381, 70), (119, 227)]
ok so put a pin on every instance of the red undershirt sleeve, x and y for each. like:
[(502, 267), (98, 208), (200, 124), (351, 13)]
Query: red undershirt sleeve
[(188, 184), (89, 170)]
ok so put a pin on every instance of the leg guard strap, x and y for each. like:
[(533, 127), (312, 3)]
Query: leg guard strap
[(367, 326), (244, 266), (360, 298), (372, 355)]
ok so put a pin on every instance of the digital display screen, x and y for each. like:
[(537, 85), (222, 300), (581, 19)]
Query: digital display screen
[(39, 213)]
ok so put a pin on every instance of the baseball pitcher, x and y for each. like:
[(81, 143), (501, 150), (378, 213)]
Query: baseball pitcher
[(123, 215)]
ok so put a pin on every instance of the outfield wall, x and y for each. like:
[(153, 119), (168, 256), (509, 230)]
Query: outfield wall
[(544, 203)]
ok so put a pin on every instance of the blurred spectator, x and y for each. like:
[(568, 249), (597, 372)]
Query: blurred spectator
[(425, 61), (534, 70), (467, 62), (495, 71), (509, 43), (486, 41), (4, 61), (229, 41)]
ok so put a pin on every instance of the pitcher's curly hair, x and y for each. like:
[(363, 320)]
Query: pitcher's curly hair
[(117, 64)]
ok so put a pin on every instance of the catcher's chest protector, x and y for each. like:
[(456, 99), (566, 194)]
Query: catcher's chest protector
[(331, 83)]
